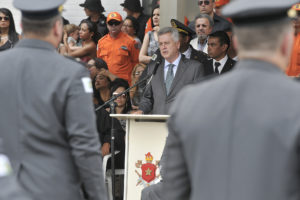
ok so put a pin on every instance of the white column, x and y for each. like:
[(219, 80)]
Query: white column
[(177, 9)]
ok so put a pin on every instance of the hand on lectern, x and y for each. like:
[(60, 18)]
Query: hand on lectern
[(137, 112)]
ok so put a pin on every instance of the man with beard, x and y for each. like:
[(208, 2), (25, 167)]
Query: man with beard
[(203, 26)]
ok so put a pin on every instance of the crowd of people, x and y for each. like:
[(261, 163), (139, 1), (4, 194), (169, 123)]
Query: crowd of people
[(120, 53)]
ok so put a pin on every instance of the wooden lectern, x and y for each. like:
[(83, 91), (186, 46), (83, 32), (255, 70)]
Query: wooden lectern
[(145, 139)]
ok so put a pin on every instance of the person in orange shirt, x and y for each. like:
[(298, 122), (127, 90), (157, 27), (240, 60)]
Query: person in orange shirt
[(118, 49), (294, 66), (219, 4)]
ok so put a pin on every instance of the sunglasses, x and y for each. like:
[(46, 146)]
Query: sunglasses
[(203, 2), (116, 94), (4, 18), (112, 22)]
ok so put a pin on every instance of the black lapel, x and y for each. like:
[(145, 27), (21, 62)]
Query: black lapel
[(228, 65), (208, 67)]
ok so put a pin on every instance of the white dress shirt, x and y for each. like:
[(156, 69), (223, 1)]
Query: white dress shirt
[(196, 45), (188, 53), (222, 62)]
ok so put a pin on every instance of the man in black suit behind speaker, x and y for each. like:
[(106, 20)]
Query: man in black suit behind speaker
[(220, 62)]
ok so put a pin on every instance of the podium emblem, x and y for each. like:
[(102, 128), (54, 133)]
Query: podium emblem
[(148, 176)]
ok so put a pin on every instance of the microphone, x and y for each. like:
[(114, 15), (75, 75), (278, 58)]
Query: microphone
[(157, 59)]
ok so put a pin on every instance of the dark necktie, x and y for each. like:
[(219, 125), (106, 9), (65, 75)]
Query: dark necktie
[(170, 77), (217, 64)]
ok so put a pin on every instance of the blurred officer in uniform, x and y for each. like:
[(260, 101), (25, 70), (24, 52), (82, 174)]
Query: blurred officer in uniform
[(185, 36), (10, 189), (47, 117), (237, 137), (118, 49)]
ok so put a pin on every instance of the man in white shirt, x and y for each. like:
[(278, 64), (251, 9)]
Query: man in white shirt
[(203, 26)]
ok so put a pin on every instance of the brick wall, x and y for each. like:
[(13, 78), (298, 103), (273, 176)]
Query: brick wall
[(73, 12)]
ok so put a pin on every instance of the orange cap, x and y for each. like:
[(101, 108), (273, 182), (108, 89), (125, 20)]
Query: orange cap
[(296, 7), (221, 2), (114, 16)]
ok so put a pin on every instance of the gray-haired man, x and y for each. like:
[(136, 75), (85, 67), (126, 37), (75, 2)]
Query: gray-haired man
[(174, 72)]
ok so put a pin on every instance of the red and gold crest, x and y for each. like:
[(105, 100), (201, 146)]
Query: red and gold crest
[(148, 176)]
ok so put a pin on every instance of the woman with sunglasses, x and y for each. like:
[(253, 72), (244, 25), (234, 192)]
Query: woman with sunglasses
[(8, 35), (150, 43), (123, 103), (123, 106)]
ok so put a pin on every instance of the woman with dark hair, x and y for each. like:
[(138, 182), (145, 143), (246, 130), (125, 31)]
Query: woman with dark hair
[(102, 86), (123, 106), (131, 27), (8, 35), (123, 102), (89, 38), (150, 43)]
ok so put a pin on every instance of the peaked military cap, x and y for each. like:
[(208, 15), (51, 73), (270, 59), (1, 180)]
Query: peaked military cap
[(257, 11), (182, 28), (39, 9)]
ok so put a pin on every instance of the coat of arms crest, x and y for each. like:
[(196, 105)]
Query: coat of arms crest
[(148, 176)]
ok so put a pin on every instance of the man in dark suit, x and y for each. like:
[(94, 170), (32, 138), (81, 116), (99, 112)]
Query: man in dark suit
[(218, 45), (185, 36), (237, 136), (173, 73), (47, 119)]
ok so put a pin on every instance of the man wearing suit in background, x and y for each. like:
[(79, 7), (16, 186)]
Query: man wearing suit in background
[(218, 45), (47, 116), (174, 72), (236, 137)]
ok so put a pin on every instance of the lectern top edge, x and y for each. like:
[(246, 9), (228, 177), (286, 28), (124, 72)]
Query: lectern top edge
[(128, 116)]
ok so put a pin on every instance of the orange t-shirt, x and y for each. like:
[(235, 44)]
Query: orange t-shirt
[(294, 66), (121, 54)]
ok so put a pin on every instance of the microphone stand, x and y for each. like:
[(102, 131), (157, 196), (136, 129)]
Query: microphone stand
[(112, 105)]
